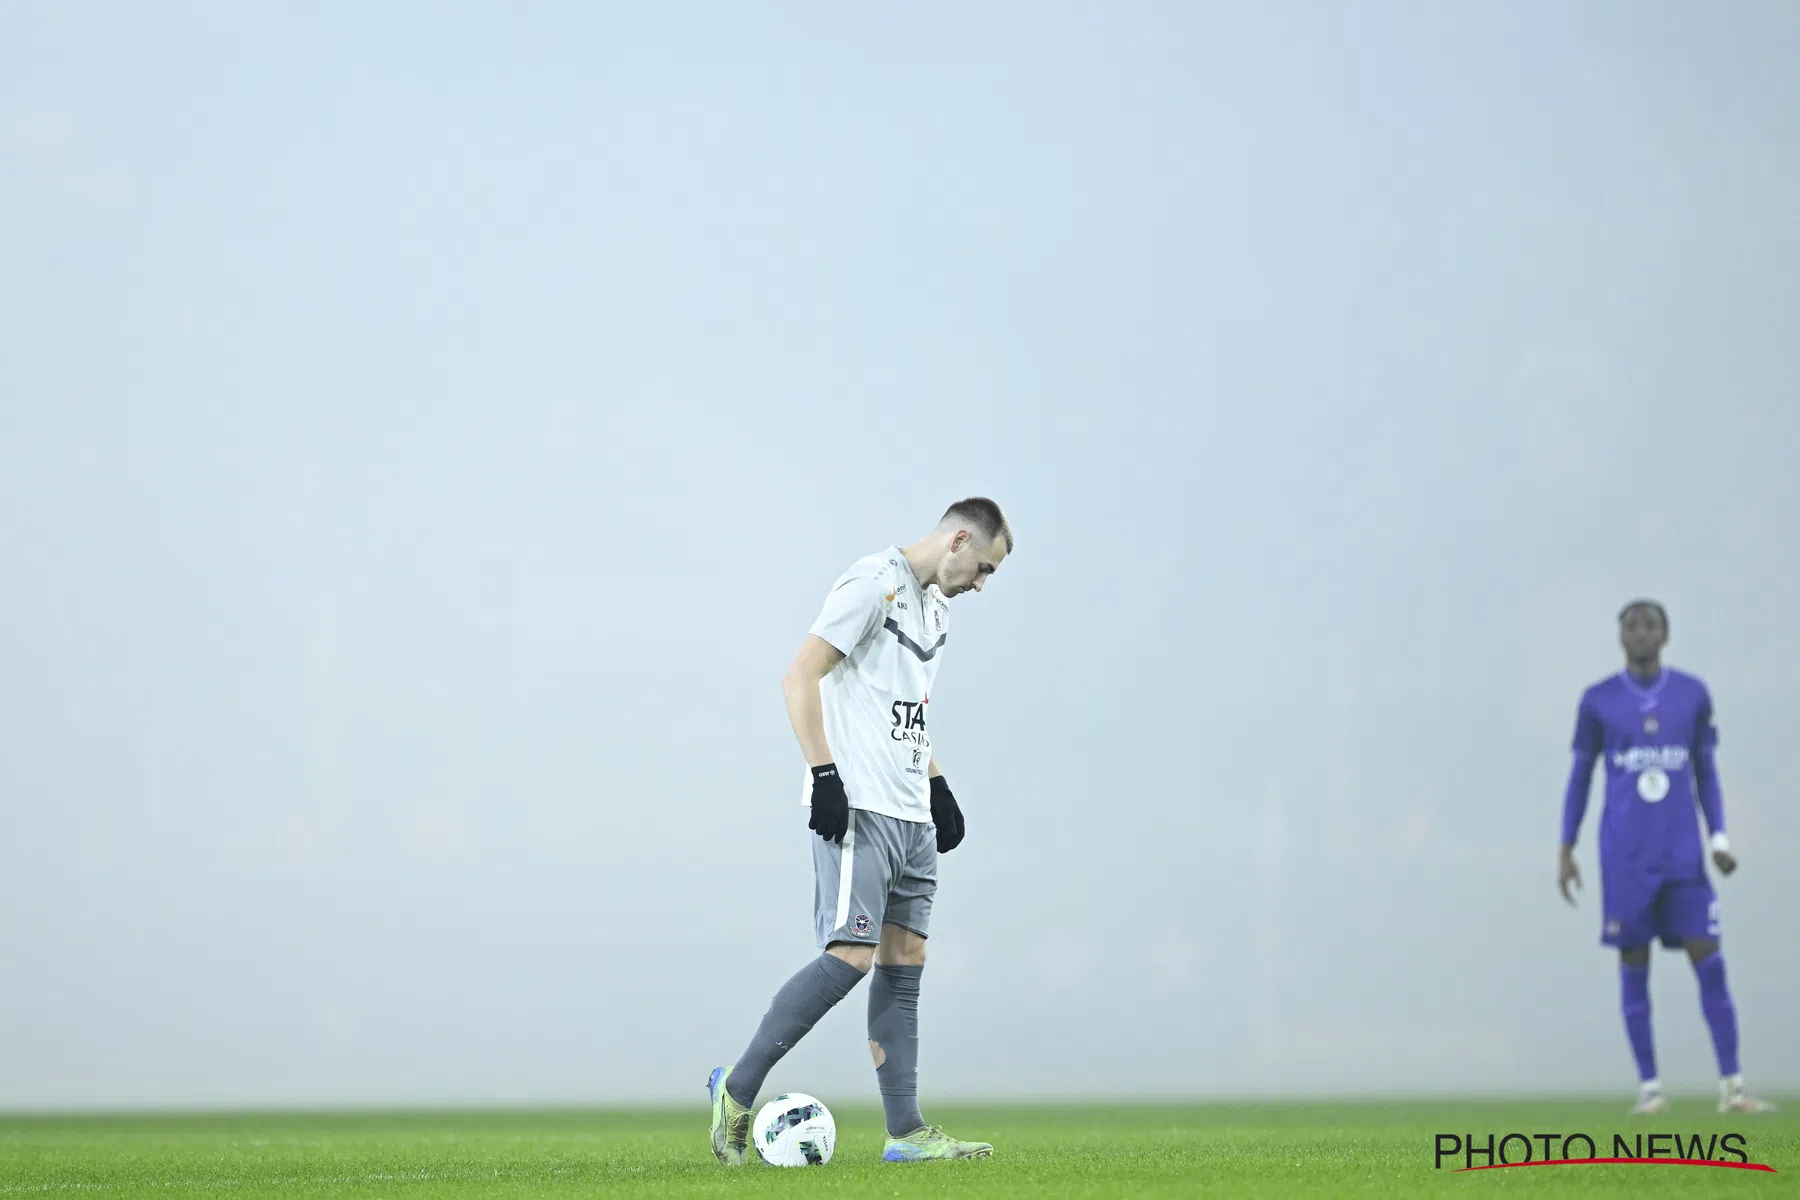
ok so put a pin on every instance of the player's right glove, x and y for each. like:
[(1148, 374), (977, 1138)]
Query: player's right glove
[(830, 806)]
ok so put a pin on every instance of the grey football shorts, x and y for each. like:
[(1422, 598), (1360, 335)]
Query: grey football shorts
[(885, 872)]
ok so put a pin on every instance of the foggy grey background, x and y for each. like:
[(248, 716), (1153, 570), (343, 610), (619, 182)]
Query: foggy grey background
[(426, 433)]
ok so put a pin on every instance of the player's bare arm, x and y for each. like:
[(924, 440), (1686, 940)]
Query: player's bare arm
[(933, 771), (1567, 873), (800, 686)]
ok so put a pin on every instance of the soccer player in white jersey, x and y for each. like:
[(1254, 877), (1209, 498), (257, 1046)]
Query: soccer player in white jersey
[(857, 695)]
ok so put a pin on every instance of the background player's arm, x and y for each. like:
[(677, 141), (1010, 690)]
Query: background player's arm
[(1707, 789), (1587, 746), (800, 686)]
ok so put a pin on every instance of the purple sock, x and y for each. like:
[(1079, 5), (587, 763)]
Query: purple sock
[(1721, 1014), (1634, 1002)]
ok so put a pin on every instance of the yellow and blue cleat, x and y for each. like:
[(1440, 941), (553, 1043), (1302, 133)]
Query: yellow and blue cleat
[(931, 1142), (730, 1121)]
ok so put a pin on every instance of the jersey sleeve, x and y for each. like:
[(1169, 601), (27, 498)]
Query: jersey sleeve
[(1588, 742), (1706, 726), (1575, 796), (1589, 738), (1706, 767), (852, 612)]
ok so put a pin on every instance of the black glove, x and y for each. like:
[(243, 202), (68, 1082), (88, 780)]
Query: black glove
[(830, 807), (945, 815)]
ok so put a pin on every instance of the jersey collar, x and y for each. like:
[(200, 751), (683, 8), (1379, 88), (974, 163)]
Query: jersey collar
[(900, 557), (1645, 696)]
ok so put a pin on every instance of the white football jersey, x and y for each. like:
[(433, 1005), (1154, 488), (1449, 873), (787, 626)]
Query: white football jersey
[(891, 632)]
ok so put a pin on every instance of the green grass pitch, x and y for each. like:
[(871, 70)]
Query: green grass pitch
[(1222, 1149)]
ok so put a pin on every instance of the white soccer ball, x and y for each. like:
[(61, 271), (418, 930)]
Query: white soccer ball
[(794, 1131)]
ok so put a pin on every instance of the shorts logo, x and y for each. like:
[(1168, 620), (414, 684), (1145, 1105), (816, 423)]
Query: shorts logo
[(860, 924), (1612, 927), (1653, 785)]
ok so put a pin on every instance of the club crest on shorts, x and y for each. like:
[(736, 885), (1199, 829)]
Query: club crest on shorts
[(860, 924)]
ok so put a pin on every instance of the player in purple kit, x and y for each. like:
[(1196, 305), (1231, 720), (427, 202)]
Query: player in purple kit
[(1654, 727)]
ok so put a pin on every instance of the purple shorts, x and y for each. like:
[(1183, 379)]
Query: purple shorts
[(1639, 908)]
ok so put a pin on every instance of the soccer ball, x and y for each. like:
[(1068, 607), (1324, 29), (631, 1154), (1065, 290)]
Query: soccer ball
[(794, 1131)]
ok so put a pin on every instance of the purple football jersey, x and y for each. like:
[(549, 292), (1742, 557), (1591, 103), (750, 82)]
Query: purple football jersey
[(1654, 738)]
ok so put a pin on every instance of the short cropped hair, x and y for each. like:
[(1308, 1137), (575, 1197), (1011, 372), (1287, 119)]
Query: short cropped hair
[(982, 516), (1652, 605)]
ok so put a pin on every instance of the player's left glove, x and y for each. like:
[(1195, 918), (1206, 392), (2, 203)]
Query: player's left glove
[(946, 815)]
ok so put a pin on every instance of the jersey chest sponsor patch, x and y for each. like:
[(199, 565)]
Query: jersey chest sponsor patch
[(1653, 785), (1644, 758)]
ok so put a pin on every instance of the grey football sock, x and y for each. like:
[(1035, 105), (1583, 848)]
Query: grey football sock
[(894, 1041), (796, 1008)]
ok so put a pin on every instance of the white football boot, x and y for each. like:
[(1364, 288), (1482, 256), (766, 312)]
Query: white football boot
[(1734, 1099), (1651, 1100)]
